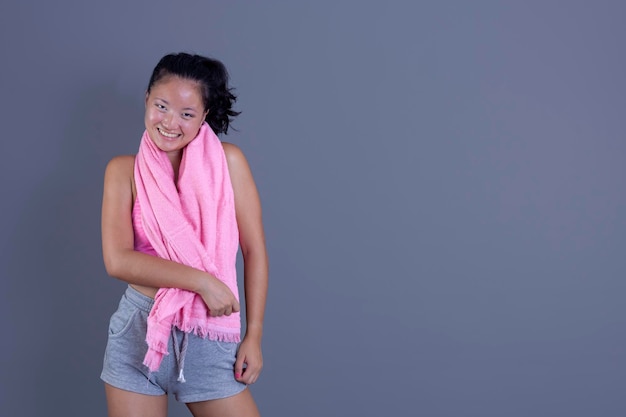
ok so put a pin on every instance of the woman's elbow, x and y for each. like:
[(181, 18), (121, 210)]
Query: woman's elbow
[(112, 265), (254, 254)]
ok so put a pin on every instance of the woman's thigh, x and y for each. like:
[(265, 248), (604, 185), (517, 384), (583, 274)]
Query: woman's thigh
[(123, 403), (239, 405)]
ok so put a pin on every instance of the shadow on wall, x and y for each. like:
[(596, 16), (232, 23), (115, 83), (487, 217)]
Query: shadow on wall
[(61, 297)]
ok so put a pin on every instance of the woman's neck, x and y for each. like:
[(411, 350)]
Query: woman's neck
[(175, 158)]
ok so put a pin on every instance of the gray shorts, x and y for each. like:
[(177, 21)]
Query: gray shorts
[(209, 365)]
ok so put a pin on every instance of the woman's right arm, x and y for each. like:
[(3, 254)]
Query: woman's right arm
[(123, 262)]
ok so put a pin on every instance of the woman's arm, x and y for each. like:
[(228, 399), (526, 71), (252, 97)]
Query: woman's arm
[(252, 242), (123, 262)]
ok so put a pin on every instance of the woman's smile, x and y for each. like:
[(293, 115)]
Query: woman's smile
[(167, 134)]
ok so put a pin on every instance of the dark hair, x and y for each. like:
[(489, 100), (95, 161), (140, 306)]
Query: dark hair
[(212, 76)]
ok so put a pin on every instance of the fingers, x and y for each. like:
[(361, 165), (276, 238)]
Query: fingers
[(227, 310), (220, 299), (219, 313), (249, 374), (248, 365), (239, 367)]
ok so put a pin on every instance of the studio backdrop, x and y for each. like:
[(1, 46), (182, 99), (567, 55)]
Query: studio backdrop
[(442, 185)]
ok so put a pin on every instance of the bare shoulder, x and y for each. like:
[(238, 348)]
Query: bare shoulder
[(119, 186), (237, 163), (234, 155), (122, 165), (119, 174), (239, 170)]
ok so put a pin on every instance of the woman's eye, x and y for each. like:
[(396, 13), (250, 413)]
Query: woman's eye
[(188, 115), (160, 106)]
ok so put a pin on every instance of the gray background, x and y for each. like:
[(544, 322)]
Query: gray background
[(443, 190)]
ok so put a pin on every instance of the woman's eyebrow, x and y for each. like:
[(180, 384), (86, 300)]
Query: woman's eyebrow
[(166, 102)]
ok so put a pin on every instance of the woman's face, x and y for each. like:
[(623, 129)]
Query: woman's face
[(174, 113)]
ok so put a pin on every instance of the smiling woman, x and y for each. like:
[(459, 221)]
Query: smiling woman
[(174, 114), (173, 218)]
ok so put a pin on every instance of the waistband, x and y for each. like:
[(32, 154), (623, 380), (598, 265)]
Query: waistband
[(141, 301)]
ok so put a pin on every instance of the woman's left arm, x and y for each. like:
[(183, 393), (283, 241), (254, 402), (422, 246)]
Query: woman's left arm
[(252, 242)]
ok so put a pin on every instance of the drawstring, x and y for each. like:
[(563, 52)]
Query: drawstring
[(180, 353)]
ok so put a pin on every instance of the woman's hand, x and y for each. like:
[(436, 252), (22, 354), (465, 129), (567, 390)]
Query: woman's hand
[(250, 355), (218, 298)]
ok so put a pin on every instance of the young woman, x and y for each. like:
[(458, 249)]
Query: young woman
[(173, 219)]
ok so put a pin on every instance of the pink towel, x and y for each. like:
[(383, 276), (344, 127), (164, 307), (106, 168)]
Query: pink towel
[(192, 224)]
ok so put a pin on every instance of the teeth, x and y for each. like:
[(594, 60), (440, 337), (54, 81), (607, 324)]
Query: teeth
[(168, 135)]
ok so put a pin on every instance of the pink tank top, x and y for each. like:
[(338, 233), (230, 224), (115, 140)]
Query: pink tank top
[(141, 240)]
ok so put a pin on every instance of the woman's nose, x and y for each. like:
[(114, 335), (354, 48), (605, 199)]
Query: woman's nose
[(167, 120)]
